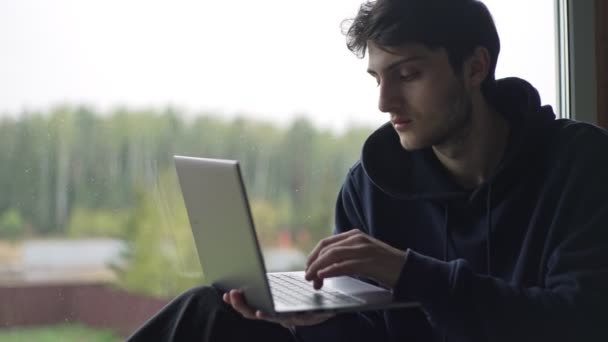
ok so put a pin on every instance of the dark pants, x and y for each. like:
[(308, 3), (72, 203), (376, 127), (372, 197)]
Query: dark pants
[(200, 314)]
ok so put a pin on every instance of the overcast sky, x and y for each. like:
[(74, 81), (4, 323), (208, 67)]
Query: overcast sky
[(269, 58)]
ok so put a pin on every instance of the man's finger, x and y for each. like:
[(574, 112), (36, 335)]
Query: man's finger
[(259, 314), (354, 239), (334, 255), (238, 303), (348, 267), (285, 322), (328, 241), (226, 298)]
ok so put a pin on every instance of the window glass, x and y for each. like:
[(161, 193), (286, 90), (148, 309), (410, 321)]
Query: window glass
[(528, 43)]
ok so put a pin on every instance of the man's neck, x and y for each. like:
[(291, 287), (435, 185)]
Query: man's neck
[(472, 156)]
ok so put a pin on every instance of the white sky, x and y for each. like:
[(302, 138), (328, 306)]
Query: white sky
[(268, 58)]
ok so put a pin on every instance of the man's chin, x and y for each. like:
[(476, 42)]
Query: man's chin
[(410, 144)]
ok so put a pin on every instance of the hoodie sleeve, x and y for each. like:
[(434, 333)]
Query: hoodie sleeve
[(572, 304), (355, 327)]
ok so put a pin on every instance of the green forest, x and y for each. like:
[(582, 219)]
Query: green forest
[(74, 172)]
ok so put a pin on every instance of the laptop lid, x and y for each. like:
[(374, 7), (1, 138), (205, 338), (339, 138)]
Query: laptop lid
[(222, 226)]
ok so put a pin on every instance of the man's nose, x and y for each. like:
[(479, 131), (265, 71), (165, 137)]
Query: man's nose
[(389, 98)]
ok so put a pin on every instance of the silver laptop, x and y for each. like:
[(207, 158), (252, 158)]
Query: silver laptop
[(228, 249)]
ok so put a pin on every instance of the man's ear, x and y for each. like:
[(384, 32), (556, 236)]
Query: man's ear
[(478, 66)]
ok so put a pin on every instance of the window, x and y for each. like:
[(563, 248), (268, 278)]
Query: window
[(528, 44), (97, 95)]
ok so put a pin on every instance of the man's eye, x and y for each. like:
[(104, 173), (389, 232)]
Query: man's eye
[(409, 77)]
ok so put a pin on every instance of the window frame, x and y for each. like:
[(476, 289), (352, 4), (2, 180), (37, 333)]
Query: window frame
[(576, 66)]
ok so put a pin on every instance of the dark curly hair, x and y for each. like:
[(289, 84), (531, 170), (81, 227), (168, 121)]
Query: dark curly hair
[(459, 26)]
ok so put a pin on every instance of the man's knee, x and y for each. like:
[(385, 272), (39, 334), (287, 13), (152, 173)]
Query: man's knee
[(188, 313), (201, 300), (202, 294), (200, 314)]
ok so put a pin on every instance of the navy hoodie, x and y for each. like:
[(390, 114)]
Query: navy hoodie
[(522, 257)]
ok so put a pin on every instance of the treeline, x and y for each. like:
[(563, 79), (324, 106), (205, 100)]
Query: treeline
[(75, 170)]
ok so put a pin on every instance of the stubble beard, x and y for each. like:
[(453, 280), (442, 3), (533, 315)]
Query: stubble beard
[(457, 127), (452, 132)]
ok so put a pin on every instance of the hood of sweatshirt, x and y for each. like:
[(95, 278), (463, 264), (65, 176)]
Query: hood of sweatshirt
[(418, 175)]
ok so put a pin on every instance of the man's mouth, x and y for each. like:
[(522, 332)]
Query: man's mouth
[(401, 123)]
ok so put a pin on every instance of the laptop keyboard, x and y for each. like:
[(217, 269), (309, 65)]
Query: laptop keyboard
[(293, 290)]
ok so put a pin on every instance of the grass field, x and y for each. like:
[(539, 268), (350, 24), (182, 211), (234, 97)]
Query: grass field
[(56, 333)]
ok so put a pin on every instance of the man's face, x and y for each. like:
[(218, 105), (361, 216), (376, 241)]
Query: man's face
[(428, 104)]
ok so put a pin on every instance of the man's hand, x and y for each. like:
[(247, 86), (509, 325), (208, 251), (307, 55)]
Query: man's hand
[(236, 299), (355, 253)]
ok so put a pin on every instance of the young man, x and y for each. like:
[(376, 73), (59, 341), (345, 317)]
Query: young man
[(473, 200)]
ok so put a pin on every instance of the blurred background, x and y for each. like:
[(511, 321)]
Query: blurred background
[(95, 98)]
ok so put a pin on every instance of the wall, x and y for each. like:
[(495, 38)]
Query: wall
[(98, 306)]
